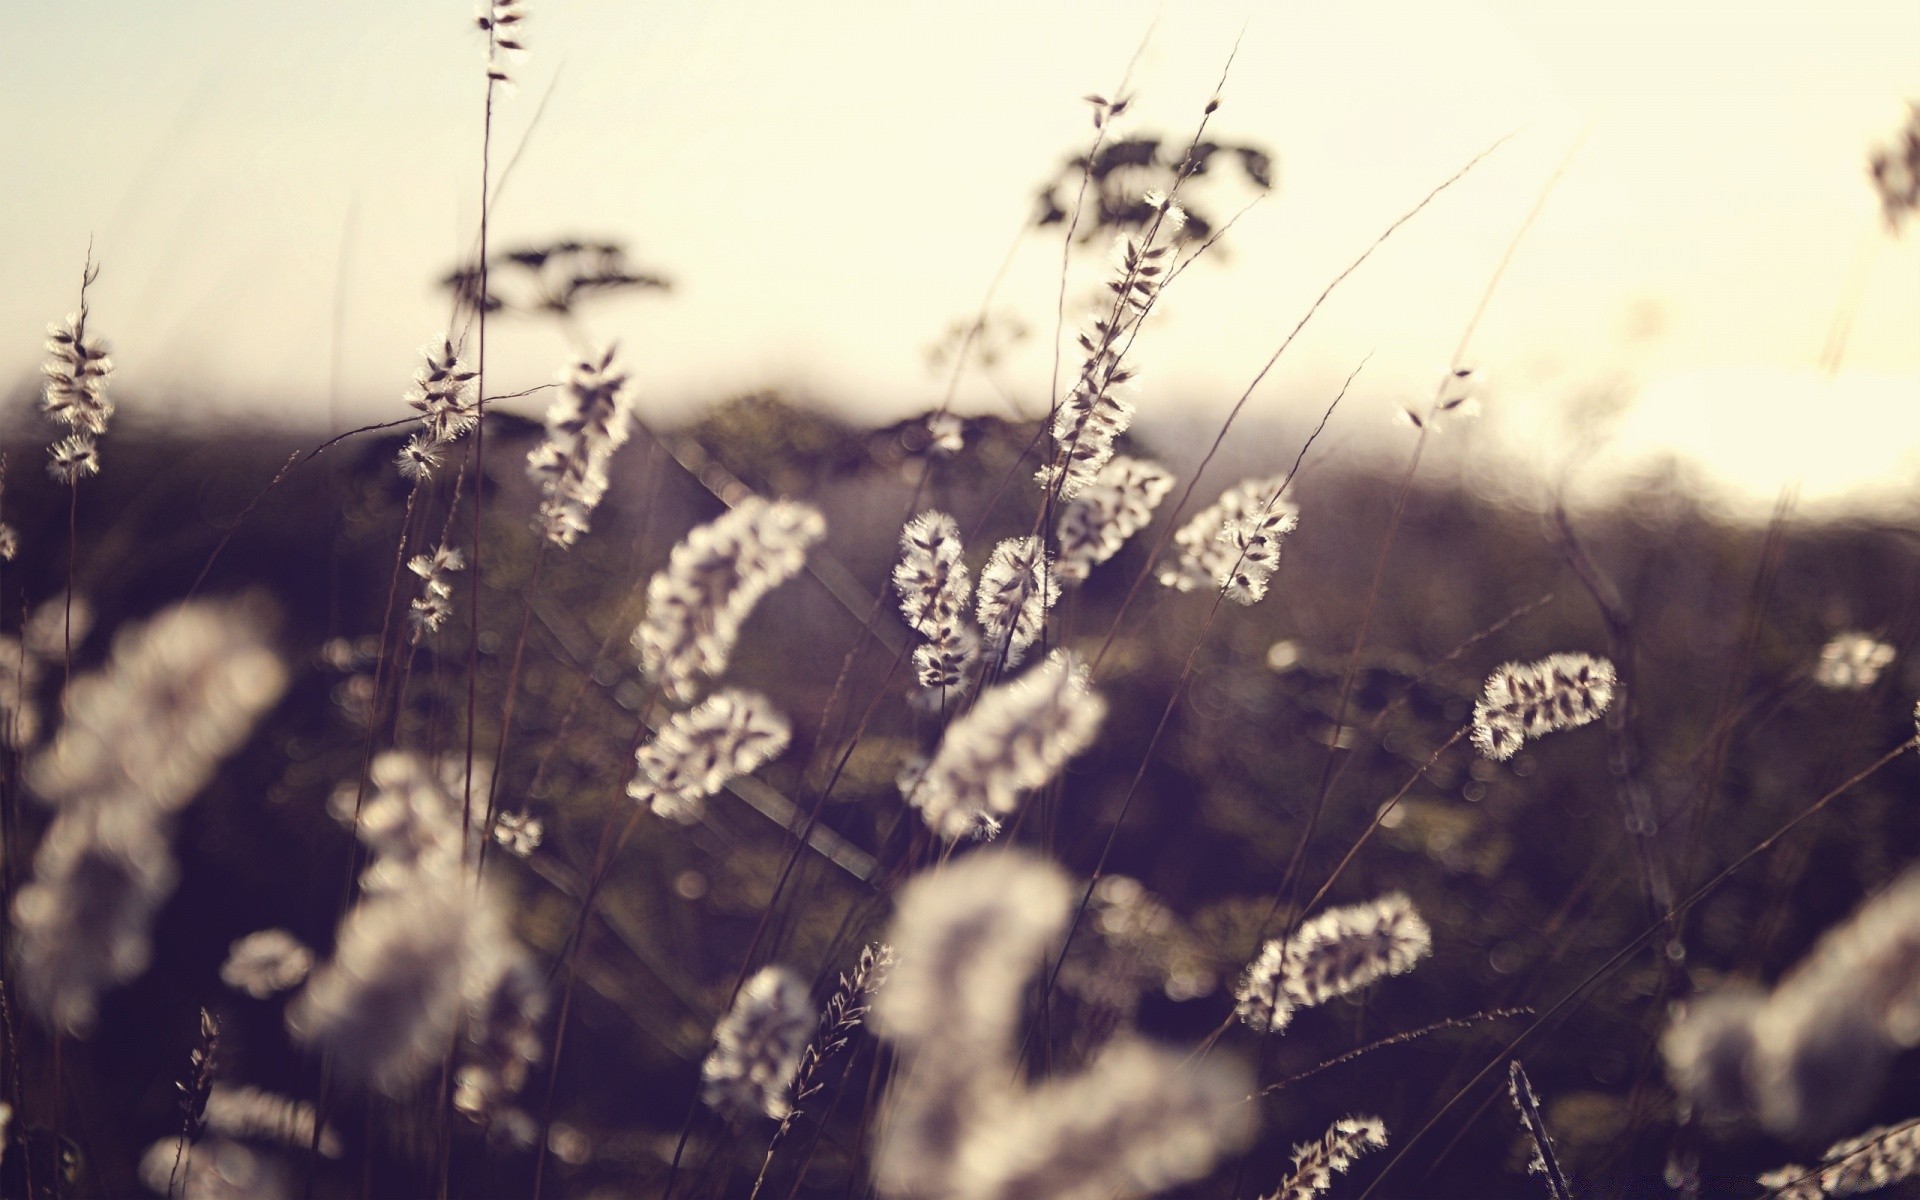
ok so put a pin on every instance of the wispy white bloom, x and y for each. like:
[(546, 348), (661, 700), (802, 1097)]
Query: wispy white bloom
[(968, 938), (1095, 524), (732, 733), (1316, 1163), (519, 833), (758, 1044), (215, 1169), (1523, 700), (76, 370), (1016, 738), (697, 605), (265, 963), (1138, 1120), (434, 605), (585, 426), (178, 694), (1017, 588), (1808, 1056), (503, 23), (83, 924), (443, 393), (250, 1113), (931, 578), (1234, 543), (1851, 662), (1340, 951)]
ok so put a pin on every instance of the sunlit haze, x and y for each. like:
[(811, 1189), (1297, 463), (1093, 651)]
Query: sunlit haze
[(273, 190)]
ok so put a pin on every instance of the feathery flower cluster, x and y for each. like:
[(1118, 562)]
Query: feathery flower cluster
[(1118, 504), (215, 1169), (25, 663), (1807, 1057), (1851, 662), (934, 586), (1883, 1155), (584, 427), (731, 733), (142, 737), (248, 1113), (1136, 1121), (412, 815), (434, 605), (500, 21), (75, 395), (758, 1044), (443, 394), (266, 963), (423, 952), (1234, 543), (1095, 412), (1316, 1163), (1017, 588), (1338, 952), (697, 604), (180, 693), (1529, 700), (519, 833), (82, 925), (1016, 738)]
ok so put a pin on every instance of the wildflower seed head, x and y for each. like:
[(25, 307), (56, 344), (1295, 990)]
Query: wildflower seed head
[(418, 459), (758, 1044), (434, 605), (1233, 545), (697, 605), (444, 394), (1016, 738), (410, 961), (966, 937), (74, 458), (1851, 662), (1017, 588), (588, 422), (730, 734), (266, 963), (1316, 1163), (931, 575), (248, 1113), (503, 22), (1094, 525), (178, 694), (76, 371), (1139, 1120), (1528, 700), (519, 833), (82, 925), (1336, 953)]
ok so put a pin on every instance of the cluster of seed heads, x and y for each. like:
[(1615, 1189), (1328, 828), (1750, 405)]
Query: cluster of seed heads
[(1233, 545), (1338, 952), (75, 394), (731, 733), (444, 394), (1528, 700)]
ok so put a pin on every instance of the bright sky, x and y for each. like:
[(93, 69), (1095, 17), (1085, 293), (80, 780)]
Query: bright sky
[(832, 184)]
